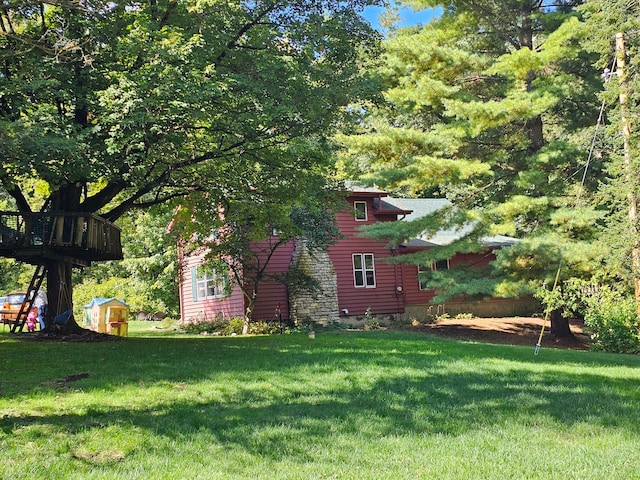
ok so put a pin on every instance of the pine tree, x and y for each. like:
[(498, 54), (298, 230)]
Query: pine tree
[(491, 106), (604, 21)]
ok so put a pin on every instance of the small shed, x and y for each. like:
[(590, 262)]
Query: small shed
[(107, 315)]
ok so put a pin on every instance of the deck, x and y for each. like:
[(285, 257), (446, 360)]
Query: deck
[(76, 237)]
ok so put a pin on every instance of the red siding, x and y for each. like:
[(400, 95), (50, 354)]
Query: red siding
[(395, 285), (272, 294), (195, 310), (384, 298), (415, 296), (411, 287)]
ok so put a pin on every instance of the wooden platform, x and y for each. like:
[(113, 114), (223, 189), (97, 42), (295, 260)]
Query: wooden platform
[(79, 238)]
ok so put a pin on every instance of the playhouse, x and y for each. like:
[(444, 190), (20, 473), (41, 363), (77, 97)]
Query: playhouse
[(107, 315)]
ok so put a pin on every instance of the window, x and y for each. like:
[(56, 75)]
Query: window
[(364, 275), (361, 211), (207, 283), (424, 272), (440, 265)]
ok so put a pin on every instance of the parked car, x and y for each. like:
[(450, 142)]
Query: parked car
[(11, 306)]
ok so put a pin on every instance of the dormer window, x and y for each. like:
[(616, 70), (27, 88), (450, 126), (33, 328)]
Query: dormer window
[(360, 211)]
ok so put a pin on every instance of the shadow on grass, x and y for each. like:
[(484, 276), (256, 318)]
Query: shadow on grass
[(285, 389)]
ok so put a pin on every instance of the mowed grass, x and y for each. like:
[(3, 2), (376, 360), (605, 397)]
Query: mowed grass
[(345, 405)]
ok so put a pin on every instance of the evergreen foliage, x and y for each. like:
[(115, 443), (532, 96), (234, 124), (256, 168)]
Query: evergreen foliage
[(603, 21), (491, 106)]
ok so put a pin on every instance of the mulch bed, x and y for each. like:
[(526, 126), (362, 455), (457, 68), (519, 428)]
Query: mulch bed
[(85, 336), (512, 331)]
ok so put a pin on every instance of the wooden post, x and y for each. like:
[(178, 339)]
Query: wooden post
[(632, 197)]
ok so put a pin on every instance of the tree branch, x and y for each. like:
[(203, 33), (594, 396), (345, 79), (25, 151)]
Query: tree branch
[(233, 43)]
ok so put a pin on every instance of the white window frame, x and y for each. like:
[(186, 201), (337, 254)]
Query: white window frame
[(208, 285), (435, 266), (422, 269), (358, 212), (364, 270)]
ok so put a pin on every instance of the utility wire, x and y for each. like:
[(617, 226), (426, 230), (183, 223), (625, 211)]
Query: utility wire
[(606, 75)]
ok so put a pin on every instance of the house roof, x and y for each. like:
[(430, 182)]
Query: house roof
[(358, 190), (421, 207), (383, 206), (97, 301)]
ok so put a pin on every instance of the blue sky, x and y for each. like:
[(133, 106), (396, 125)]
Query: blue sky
[(409, 17)]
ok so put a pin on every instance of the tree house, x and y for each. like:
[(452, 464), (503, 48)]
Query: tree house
[(56, 242), (76, 238)]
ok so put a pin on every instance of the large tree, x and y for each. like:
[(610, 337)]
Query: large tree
[(113, 106), (610, 29), (490, 106)]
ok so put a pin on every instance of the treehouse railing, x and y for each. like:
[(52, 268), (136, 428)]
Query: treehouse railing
[(77, 233)]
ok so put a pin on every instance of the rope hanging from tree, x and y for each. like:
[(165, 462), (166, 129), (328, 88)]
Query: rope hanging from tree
[(606, 75)]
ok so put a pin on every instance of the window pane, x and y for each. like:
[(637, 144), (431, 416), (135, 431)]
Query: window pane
[(359, 278), (423, 276), (208, 285), (357, 262), (211, 288), (361, 210), (368, 262), (442, 265), (371, 280)]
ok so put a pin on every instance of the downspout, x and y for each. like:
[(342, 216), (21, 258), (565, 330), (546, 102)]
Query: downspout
[(181, 282), (398, 287)]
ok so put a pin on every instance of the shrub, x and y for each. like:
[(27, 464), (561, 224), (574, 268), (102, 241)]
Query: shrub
[(613, 324), (370, 320), (206, 326), (233, 326), (264, 328)]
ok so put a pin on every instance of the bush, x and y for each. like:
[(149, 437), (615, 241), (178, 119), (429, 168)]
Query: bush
[(205, 326), (233, 326), (264, 328), (370, 320), (613, 324), (220, 326)]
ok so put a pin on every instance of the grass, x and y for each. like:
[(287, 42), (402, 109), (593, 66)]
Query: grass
[(345, 405)]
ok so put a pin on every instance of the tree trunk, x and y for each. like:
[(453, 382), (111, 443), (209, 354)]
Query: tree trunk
[(251, 304), (248, 314), (60, 297), (560, 324)]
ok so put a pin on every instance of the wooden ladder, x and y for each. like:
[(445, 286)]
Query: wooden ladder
[(29, 298)]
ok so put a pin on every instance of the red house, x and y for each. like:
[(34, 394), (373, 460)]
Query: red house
[(353, 274)]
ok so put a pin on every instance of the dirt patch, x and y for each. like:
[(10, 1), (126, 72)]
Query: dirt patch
[(84, 336), (512, 330)]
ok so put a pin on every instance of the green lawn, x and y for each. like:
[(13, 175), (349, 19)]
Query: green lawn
[(352, 405)]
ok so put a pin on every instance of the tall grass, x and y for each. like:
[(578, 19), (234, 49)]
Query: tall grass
[(345, 405)]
